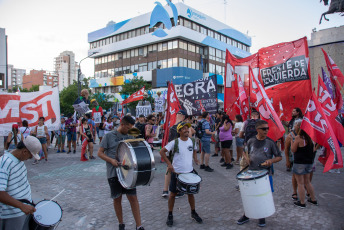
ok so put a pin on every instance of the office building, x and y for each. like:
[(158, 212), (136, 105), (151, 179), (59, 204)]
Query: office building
[(3, 60), (66, 68)]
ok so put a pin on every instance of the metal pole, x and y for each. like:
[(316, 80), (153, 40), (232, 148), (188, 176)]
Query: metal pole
[(79, 72)]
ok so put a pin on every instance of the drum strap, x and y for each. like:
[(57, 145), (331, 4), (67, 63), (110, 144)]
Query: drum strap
[(176, 147)]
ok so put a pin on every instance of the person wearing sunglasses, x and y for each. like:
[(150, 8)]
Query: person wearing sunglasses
[(262, 153)]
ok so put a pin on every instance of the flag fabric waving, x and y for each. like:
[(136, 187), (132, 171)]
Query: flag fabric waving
[(172, 107), (318, 127), (327, 82), (135, 96), (330, 110), (268, 113), (337, 79)]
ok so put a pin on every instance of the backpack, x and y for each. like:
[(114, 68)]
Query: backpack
[(250, 129), (176, 148), (141, 127), (173, 134), (199, 129)]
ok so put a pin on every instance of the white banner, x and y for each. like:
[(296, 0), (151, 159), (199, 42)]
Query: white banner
[(145, 110), (14, 108)]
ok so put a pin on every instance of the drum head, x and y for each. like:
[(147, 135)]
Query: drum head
[(126, 175), (48, 213), (189, 178), (252, 174)]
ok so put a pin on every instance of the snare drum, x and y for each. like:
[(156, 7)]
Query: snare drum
[(137, 163), (188, 183), (47, 216)]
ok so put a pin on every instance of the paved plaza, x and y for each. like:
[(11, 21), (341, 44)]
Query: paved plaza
[(86, 203)]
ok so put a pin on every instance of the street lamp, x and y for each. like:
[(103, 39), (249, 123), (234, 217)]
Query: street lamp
[(79, 71)]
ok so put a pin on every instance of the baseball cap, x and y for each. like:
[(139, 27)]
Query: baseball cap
[(33, 145), (93, 100), (182, 112), (15, 126), (182, 124)]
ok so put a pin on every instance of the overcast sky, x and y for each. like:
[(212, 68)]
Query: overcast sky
[(39, 30)]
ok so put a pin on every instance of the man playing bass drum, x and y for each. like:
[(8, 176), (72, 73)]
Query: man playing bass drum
[(181, 163)]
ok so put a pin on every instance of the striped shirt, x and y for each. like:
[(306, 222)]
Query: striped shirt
[(13, 180)]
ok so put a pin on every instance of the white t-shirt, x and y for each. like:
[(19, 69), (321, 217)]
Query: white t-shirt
[(25, 131), (182, 161), (238, 125)]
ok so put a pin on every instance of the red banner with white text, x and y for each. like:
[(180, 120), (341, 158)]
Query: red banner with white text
[(135, 96), (318, 127), (283, 70), (14, 108)]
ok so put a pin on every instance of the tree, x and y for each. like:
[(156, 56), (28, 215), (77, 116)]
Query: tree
[(69, 94), (103, 100), (133, 86)]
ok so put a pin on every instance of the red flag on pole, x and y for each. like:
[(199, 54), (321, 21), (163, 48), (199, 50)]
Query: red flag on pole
[(173, 107), (330, 110), (318, 127), (337, 79), (267, 112), (135, 96)]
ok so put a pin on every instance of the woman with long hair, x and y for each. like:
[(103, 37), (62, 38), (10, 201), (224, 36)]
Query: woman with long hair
[(304, 155), (226, 140), (25, 130), (13, 138), (239, 141), (87, 139)]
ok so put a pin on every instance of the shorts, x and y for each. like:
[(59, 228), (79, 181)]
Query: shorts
[(61, 139), (205, 146), (226, 144), (101, 133), (239, 142), (43, 140), (302, 169), (71, 136), (173, 182), (117, 189)]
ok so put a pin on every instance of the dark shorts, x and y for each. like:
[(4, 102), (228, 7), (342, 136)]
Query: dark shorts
[(239, 142), (117, 190), (226, 144), (205, 146), (302, 169), (43, 140), (71, 136)]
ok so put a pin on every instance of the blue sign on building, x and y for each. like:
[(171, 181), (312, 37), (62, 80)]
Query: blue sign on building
[(178, 76)]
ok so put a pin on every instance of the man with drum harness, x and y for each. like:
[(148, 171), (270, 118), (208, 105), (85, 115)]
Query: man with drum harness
[(184, 149), (108, 152), (261, 150), (14, 186)]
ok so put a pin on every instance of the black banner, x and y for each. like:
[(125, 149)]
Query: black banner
[(294, 69), (198, 96)]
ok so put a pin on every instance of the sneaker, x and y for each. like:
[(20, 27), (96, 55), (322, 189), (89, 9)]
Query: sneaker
[(261, 222), (232, 159), (63, 151), (164, 194), (202, 166), (58, 151), (222, 160), (224, 165), (298, 204), (288, 169), (35, 162), (237, 187), (229, 166), (243, 220), (196, 217), (74, 151), (140, 228), (313, 202), (294, 197), (92, 157), (215, 155), (69, 151), (179, 195), (169, 221), (208, 169), (121, 226)]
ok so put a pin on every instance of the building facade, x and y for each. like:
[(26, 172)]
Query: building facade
[(332, 41), (15, 77), (66, 68), (172, 43), (3, 60), (40, 77)]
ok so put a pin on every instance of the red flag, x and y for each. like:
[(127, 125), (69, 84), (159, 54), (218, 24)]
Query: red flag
[(316, 124), (268, 113), (135, 96), (337, 79), (173, 107), (330, 110), (283, 69), (280, 110)]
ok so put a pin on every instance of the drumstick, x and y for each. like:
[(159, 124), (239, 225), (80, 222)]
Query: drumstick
[(50, 199)]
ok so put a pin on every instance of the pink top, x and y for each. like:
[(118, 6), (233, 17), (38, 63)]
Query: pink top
[(225, 135)]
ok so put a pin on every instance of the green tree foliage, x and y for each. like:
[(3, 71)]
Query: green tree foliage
[(14, 89), (102, 99), (69, 94), (133, 86)]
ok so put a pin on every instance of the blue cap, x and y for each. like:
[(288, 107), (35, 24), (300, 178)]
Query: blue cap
[(182, 112)]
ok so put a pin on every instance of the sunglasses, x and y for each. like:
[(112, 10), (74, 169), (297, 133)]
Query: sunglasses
[(264, 129)]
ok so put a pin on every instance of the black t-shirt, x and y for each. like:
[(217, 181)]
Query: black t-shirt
[(173, 134), (304, 155)]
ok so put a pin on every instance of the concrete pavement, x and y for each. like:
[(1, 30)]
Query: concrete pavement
[(86, 203)]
